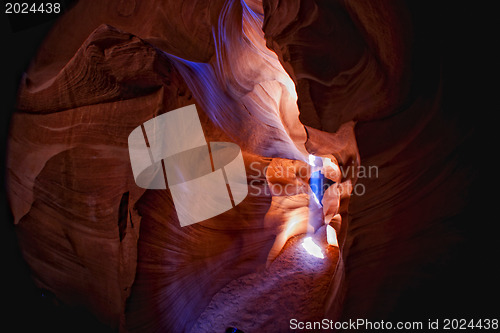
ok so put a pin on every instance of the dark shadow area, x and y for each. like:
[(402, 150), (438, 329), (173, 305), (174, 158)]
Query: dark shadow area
[(26, 307), (463, 281)]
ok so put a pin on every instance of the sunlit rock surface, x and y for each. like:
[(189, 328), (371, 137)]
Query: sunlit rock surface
[(294, 286), (344, 80), (137, 269)]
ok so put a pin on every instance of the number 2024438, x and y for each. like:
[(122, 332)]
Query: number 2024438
[(462, 324), (32, 8)]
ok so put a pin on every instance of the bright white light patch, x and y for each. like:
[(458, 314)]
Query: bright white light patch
[(316, 199), (312, 248), (312, 158), (331, 236), (327, 162), (290, 87)]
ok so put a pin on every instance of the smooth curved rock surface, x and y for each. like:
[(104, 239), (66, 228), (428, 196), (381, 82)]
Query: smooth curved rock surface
[(71, 133), (345, 80)]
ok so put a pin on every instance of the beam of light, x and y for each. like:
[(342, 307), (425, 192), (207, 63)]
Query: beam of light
[(316, 185), (312, 159), (294, 224), (316, 199), (331, 236), (312, 248)]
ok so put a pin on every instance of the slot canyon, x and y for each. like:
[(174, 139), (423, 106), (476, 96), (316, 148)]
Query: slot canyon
[(360, 136)]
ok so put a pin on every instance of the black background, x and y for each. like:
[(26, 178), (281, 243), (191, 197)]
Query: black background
[(26, 308)]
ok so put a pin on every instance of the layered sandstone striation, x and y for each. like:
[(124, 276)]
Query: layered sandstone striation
[(282, 80)]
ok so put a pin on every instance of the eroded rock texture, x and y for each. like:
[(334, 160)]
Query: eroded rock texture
[(378, 64), (343, 80)]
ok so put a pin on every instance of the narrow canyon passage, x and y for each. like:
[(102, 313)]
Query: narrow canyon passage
[(292, 287), (295, 86)]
